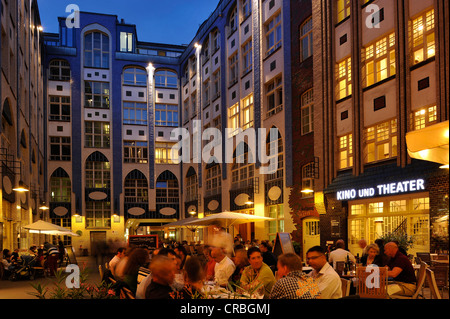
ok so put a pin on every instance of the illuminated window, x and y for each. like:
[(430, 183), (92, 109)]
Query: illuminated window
[(277, 225), (274, 96), (344, 78), (357, 209), (380, 60), (164, 154), (135, 152), (60, 189), (424, 117), (381, 141), (233, 119), (376, 208), (307, 112), (98, 174), (397, 206), (126, 42), (98, 214), (136, 189), (343, 9), (421, 203), (191, 188), (247, 112), (213, 180), (97, 134), (345, 151), (96, 94), (423, 37), (308, 179)]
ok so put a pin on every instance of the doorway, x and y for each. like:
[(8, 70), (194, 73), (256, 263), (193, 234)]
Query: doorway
[(311, 234)]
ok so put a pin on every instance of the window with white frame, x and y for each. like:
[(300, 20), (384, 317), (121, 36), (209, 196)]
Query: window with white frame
[(136, 190), (97, 134), (96, 94), (343, 10), (98, 214), (247, 112), (307, 112), (233, 119), (59, 70), (167, 191), (346, 151), (191, 188), (233, 69), (422, 34), (135, 113), (277, 225), (166, 115), (381, 141), (216, 85), (59, 108), (215, 36), (98, 174), (164, 154), (380, 60), (274, 149), (306, 39), (423, 117), (273, 34), (166, 78), (308, 179), (206, 92), (60, 189), (247, 57), (243, 168), (213, 180), (135, 152), (96, 50), (233, 21), (135, 76), (60, 148), (246, 8), (274, 96), (344, 78), (126, 42)]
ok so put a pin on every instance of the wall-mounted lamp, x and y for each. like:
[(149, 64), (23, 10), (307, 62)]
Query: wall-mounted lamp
[(307, 191)]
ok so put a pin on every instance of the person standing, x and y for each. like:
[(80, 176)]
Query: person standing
[(340, 254), (116, 259), (326, 277), (52, 257)]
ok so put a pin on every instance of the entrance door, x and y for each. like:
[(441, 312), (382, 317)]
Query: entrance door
[(98, 242), (311, 234)]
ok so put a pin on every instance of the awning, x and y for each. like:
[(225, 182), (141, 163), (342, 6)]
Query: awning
[(430, 143)]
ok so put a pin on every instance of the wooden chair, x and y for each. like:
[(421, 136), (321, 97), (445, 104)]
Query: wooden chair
[(340, 265), (126, 293), (370, 285), (432, 284), (345, 287), (440, 272), (425, 257), (421, 276)]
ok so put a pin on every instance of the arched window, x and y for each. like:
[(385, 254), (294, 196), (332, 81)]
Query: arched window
[(166, 78), (59, 70), (191, 185), (60, 187), (136, 188), (243, 168), (246, 8), (135, 76), (167, 188), (96, 50), (98, 171), (233, 20)]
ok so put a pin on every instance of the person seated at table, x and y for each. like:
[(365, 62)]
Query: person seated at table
[(163, 273), (268, 257), (241, 261), (326, 277), (293, 283), (224, 267), (401, 271), (372, 256), (7, 265), (182, 252), (340, 254), (137, 258), (194, 277), (116, 259), (146, 281), (210, 263), (257, 273)]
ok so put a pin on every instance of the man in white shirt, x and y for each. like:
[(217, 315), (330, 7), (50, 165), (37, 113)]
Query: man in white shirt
[(116, 259), (326, 277), (340, 254), (224, 267)]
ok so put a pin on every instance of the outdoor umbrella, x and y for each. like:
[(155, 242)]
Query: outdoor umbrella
[(42, 227), (227, 219)]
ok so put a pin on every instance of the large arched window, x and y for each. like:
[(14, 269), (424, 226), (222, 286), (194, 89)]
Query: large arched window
[(98, 171), (96, 50), (136, 188), (60, 187), (233, 20), (167, 188), (166, 78), (274, 150), (135, 76)]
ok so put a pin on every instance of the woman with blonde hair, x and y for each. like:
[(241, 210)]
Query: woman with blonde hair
[(372, 256)]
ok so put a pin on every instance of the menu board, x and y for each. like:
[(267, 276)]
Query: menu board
[(143, 241), (71, 255), (283, 244)]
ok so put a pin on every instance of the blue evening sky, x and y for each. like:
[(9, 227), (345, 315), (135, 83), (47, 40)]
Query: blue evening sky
[(160, 21)]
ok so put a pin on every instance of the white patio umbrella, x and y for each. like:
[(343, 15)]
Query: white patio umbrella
[(227, 219), (42, 227)]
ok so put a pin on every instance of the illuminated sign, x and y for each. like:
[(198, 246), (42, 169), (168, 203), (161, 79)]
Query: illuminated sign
[(382, 189)]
